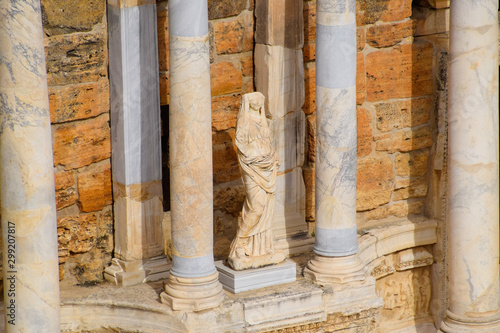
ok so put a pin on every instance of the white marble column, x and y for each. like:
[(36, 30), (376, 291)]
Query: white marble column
[(28, 206), (473, 210), (336, 243), (193, 283), (136, 145)]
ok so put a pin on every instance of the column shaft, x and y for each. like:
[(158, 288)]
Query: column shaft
[(28, 207), (136, 154), (336, 234), (473, 211), (193, 282)]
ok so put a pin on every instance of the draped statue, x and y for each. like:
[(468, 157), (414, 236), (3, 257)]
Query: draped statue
[(253, 245)]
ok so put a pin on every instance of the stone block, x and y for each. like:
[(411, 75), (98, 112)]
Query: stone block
[(225, 78), (311, 138), (225, 111), (415, 188), (384, 35), (77, 233), (80, 143), (375, 182), (412, 258), (247, 64), (225, 163), (400, 72), (225, 8), (369, 12), (162, 26), (430, 21), (402, 113), (360, 39), (285, 134), (309, 21), (433, 3), (250, 279), (78, 101), (279, 75), (399, 209), (94, 188), (411, 164), (309, 51), (76, 58), (164, 88), (309, 180), (66, 192), (406, 140), (88, 267), (310, 89), (280, 23), (360, 78), (235, 35), (105, 230), (364, 128), (66, 17)]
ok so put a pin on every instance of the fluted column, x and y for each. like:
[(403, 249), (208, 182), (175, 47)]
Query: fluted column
[(336, 244), (28, 206), (473, 168), (193, 283), (136, 148)]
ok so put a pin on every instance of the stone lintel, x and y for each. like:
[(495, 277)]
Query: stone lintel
[(127, 273)]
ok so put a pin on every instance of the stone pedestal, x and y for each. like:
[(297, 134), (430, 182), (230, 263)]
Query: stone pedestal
[(28, 205), (473, 210), (336, 244), (279, 75), (193, 283), (136, 154)]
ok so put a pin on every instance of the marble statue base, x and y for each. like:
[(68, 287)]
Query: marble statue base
[(250, 279), (256, 261)]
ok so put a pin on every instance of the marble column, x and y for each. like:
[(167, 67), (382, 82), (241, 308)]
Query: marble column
[(136, 144), (28, 206), (473, 192), (193, 283), (336, 245)]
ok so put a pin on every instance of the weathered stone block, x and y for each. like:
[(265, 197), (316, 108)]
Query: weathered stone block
[(401, 72), (369, 12), (225, 163), (407, 140), (365, 136), (411, 164), (94, 188), (80, 143), (164, 88), (399, 209), (105, 230), (162, 24), (309, 21), (433, 3), (375, 181), (310, 89), (402, 113), (280, 23), (311, 138), (78, 101), (360, 39), (225, 78), (65, 17), (235, 35), (416, 188), (384, 35), (247, 64), (66, 192), (76, 233), (225, 111), (309, 51), (309, 180), (430, 21), (76, 58), (88, 267), (225, 8), (360, 78)]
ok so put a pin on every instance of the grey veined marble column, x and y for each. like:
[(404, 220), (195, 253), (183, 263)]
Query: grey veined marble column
[(136, 148), (473, 168), (193, 283), (336, 243), (28, 206)]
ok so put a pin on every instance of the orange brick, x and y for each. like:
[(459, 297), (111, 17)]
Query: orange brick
[(79, 101), (311, 138), (164, 88), (309, 21), (400, 72), (94, 188), (235, 35), (402, 113), (384, 35), (369, 11), (375, 182), (225, 163), (66, 193), (365, 136), (76, 233), (360, 38), (310, 89), (309, 180), (309, 52), (247, 65), (225, 78), (225, 8), (162, 24), (80, 143), (360, 78), (223, 138), (411, 164), (400, 209), (407, 140), (225, 111)]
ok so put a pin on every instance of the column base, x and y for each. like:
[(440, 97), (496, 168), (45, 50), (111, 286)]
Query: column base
[(335, 270), (455, 323), (193, 294), (127, 273)]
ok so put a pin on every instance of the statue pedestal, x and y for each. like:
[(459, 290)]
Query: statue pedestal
[(239, 281)]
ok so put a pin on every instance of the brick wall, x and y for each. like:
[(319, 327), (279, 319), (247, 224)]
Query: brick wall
[(76, 57)]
